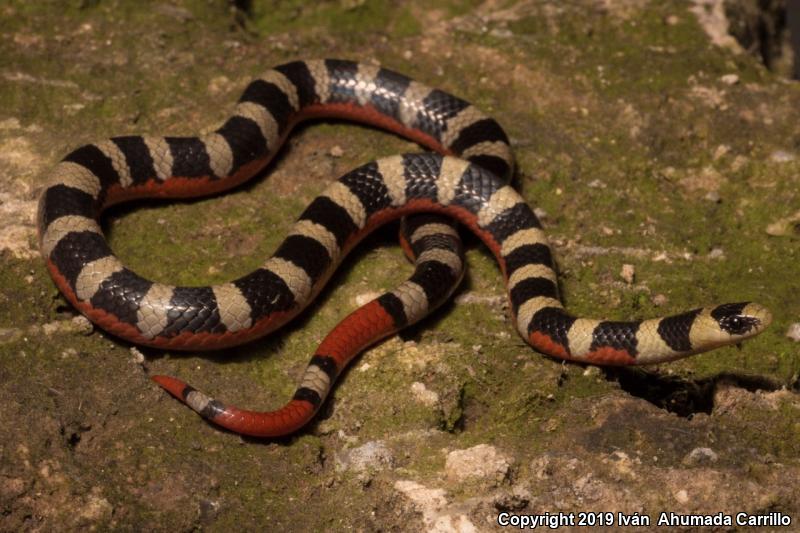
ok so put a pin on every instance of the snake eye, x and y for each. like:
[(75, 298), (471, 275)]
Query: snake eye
[(738, 324)]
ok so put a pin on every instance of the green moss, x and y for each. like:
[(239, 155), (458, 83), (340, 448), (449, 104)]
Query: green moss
[(630, 56), (358, 19), (757, 428)]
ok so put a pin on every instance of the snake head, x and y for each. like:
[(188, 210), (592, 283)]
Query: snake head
[(740, 321)]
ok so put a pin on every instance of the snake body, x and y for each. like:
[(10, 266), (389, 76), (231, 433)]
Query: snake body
[(468, 190)]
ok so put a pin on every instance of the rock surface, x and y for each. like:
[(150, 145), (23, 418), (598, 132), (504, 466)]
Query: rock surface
[(645, 135)]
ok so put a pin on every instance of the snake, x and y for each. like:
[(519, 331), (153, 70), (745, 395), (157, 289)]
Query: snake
[(464, 179)]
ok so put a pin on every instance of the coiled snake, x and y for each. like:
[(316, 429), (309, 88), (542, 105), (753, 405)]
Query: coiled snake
[(469, 190)]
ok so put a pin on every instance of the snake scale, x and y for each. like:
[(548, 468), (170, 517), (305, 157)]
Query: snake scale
[(465, 180)]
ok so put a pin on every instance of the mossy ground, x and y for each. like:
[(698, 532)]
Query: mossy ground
[(626, 137)]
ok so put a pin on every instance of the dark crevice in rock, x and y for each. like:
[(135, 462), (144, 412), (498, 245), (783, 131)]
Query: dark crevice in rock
[(245, 6), (793, 23), (768, 29), (680, 395), (72, 433)]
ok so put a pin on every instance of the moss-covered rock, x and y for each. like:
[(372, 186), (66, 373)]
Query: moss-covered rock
[(640, 141)]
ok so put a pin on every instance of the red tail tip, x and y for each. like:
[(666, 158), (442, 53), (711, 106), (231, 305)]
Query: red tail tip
[(172, 385)]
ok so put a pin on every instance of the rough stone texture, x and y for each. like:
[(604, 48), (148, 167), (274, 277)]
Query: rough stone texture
[(794, 331), (438, 515), (481, 462), (373, 455), (424, 395), (701, 456), (633, 142)]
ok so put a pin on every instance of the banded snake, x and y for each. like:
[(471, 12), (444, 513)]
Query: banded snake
[(470, 188)]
